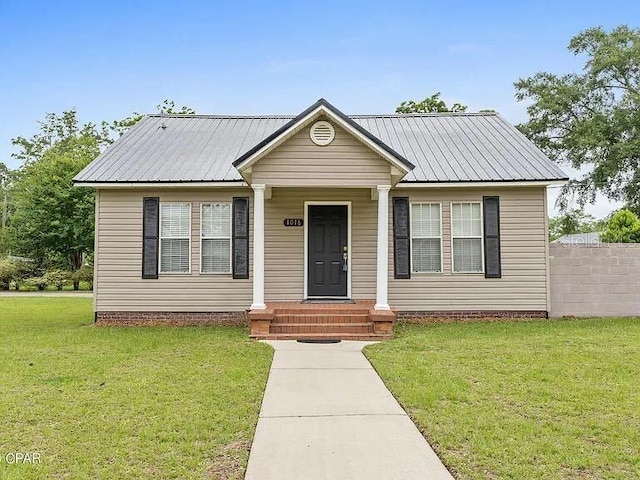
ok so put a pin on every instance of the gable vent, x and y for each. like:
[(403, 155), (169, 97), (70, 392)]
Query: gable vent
[(322, 133)]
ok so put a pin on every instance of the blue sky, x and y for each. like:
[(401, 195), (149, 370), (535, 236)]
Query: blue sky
[(108, 59)]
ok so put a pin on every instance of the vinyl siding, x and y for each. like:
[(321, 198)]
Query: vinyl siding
[(523, 285), (119, 286), (345, 162), (284, 246)]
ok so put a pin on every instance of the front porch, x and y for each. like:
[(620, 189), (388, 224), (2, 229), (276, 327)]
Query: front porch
[(358, 320)]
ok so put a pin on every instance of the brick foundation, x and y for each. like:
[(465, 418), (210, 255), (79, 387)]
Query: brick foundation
[(135, 319), (468, 315)]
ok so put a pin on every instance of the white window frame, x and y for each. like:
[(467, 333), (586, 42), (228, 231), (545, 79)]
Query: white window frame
[(160, 237), (481, 237), (230, 238), (411, 204)]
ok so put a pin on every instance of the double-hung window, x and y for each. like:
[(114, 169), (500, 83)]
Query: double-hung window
[(466, 235), (215, 228), (426, 238), (175, 237)]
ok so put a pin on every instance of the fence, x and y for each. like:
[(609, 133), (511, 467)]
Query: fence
[(595, 280)]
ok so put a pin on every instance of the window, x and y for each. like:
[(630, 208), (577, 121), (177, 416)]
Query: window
[(175, 237), (215, 232), (426, 238), (466, 234)]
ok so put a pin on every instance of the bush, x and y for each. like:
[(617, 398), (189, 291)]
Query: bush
[(622, 227), (57, 278), (37, 282), (84, 274), (8, 270)]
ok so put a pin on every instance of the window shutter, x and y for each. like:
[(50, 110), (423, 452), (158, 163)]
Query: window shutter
[(150, 227), (401, 238), (240, 235), (492, 262)]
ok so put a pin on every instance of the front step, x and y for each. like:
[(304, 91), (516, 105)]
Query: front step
[(309, 327), (290, 321), (372, 337)]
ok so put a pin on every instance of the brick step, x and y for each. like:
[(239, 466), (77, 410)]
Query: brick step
[(322, 336), (317, 328), (321, 318), (322, 311)]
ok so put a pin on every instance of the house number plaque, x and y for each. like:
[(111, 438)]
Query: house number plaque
[(293, 222)]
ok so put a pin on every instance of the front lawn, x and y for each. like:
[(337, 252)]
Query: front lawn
[(522, 400), (124, 402)]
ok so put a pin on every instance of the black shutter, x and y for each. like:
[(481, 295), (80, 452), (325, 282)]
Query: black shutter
[(401, 238), (240, 237), (492, 263), (150, 235)]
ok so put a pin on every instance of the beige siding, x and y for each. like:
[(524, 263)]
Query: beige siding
[(119, 285), (345, 162), (284, 246), (523, 236)]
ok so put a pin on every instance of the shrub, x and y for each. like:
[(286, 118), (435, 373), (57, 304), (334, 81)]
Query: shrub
[(57, 278), (8, 270), (38, 282), (84, 274)]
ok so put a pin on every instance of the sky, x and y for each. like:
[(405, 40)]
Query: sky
[(109, 59)]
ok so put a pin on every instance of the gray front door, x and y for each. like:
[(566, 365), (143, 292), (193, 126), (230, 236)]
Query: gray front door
[(327, 237)]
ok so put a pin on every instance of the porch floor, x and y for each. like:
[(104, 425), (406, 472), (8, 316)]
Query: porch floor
[(321, 321)]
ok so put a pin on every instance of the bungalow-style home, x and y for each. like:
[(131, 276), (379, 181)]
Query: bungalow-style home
[(320, 225)]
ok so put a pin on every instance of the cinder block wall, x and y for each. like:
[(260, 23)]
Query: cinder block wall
[(595, 280)]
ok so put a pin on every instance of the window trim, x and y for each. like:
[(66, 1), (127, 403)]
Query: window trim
[(411, 235), (160, 237), (480, 237), (230, 238)]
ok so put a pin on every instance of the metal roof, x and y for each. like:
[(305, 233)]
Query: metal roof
[(443, 147)]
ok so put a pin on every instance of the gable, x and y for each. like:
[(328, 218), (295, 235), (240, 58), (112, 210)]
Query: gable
[(344, 162)]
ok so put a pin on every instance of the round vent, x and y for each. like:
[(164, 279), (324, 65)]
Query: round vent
[(322, 133)]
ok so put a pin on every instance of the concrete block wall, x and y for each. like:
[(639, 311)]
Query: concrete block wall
[(597, 281)]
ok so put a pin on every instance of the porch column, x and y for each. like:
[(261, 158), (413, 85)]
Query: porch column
[(383, 248), (258, 247)]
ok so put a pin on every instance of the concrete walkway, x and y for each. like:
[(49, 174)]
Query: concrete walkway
[(327, 415)]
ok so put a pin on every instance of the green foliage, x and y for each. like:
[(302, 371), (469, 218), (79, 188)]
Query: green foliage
[(573, 221), (432, 104), (13, 271), (592, 119), (84, 274), (622, 227), (57, 278), (52, 219), (7, 179)]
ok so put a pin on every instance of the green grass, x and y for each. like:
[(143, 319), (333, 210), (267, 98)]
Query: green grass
[(124, 402), (522, 400)]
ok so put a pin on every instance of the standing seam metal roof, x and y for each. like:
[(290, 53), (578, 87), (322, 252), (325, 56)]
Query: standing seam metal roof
[(444, 147)]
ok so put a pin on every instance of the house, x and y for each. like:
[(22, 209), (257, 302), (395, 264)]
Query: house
[(591, 239), (322, 224)]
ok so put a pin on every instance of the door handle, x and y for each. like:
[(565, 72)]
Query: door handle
[(345, 258)]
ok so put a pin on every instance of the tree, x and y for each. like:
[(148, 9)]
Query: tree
[(623, 227), (432, 104), (573, 221), (7, 177), (167, 107), (52, 220), (592, 118)]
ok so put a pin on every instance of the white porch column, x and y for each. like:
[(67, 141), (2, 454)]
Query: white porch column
[(258, 247), (383, 248)]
